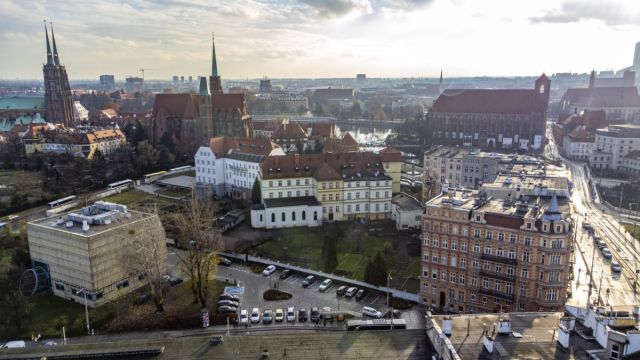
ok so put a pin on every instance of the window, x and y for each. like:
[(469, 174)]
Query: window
[(512, 254), (454, 245), (485, 282), (293, 216), (463, 247), (523, 291), (487, 250), (556, 260), (435, 242), (284, 218), (304, 215), (273, 218), (499, 252), (59, 286), (453, 278), (500, 236), (615, 351), (527, 241), (474, 280), (315, 216), (463, 263), (476, 248), (525, 256), (475, 264), (497, 285), (524, 273), (476, 233), (445, 244), (489, 235), (444, 259), (513, 238), (484, 300), (472, 297), (556, 244)]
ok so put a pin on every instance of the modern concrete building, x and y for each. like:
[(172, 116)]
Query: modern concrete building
[(480, 254), (84, 251)]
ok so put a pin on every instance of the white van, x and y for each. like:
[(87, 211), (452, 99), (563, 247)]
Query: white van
[(18, 344)]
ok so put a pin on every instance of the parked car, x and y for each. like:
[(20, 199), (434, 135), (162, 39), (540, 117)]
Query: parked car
[(50, 343), (16, 344), (615, 267), (351, 292), (315, 314), (302, 315), (371, 312), (229, 297), (175, 281), (326, 313), (308, 281), (255, 315), (279, 315), (225, 309), (244, 317), (224, 261), (269, 270), (606, 253), (267, 316), (341, 290), (228, 303), (601, 244), (141, 299), (325, 285), (285, 274), (291, 314), (361, 294)]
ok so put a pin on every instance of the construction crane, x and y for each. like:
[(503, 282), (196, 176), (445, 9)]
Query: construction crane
[(142, 71)]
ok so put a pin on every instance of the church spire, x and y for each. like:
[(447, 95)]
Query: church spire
[(56, 59), (49, 54), (592, 79), (214, 64)]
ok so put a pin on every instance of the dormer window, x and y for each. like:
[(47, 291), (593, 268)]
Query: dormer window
[(528, 226)]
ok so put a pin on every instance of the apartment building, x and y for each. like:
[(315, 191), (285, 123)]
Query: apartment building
[(82, 251), (481, 254), (347, 186), (82, 143), (612, 144)]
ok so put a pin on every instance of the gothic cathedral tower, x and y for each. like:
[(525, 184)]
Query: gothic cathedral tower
[(57, 92)]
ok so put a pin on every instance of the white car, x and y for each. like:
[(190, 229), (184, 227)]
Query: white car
[(244, 316), (255, 316), (269, 270), (17, 344), (325, 285), (291, 314), (371, 312)]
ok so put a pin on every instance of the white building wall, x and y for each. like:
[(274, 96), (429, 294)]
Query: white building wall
[(406, 219)]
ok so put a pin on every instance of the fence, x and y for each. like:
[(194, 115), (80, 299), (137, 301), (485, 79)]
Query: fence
[(382, 289)]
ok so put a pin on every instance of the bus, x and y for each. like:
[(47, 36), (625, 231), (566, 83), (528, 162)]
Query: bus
[(63, 201), (122, 184), (149, 178), (376, 324), (181, 169)]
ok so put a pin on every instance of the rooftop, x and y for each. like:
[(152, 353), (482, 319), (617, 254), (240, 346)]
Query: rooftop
[(100, 217), (528, 185), (459, 199), (532, 337), (407, 202)]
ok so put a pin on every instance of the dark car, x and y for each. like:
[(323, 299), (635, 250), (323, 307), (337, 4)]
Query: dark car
[(315, 314), (175, 281), (267, 316), (227, 309), (285, 274), (308, 281), (302, 315), (224, 261), (229, 297), (341, 290), (142, 299), (361, 294)]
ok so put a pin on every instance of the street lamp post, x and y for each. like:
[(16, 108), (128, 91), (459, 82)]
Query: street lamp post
[(388, 291), (86, 310)]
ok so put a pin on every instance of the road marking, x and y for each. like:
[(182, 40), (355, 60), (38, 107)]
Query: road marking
[(375, 300), (296, 280)]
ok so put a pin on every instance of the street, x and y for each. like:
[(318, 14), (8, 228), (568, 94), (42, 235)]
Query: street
[(616, 289)]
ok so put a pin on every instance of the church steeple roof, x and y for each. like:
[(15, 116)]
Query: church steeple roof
[(592, 79), (49, 54), (56, 58), (214, 64)]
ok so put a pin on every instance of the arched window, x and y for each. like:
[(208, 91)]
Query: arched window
[(293, 216), (304, 215), (284, 217), (315, 216), (273, 218)]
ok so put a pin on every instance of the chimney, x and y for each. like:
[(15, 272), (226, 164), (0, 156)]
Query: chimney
[(296, 159), (487, 341), (85, 226), (563, 336), (447, 324)]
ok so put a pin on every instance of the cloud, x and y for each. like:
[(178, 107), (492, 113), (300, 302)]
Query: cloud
[(407, 4), (612, 13), (339, 8)]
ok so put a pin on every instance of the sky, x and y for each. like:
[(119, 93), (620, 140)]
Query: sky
[(319, 38)]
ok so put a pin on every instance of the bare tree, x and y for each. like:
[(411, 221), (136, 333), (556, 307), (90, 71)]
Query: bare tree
[(195, 227), (146, 256)]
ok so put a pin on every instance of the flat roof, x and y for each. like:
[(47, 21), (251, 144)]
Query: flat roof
[(182, 181), (537, 340), (291, 201), (406, 202), (460, 199), (52, 224)]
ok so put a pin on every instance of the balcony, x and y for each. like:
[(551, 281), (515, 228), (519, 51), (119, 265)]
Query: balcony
[(495, 275), (496, 293), (500, 259)]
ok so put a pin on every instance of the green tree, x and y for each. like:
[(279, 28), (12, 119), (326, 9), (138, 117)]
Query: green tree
[(165, 157), (376, 271), (167, 141), (256, 192), (99, 168), (356, 109), (146, 157), (330, 253)]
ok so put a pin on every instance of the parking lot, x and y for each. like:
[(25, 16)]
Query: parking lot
[(255, 285)]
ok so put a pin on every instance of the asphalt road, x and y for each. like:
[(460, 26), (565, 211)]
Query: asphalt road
[(608, 287), (256, 284)]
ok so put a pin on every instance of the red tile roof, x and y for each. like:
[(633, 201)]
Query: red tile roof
[(229, 102), (493, 101), (222, 146), (290, 131), (184, 106), (390, 154), (348, 140)]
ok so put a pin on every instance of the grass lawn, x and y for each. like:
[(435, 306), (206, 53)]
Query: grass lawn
[(135, 198), (629, 228), (303, 246)]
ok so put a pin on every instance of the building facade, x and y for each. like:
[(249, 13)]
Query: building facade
[(107, 83), (83, 251), (77, 143), (406, 212), (486, 255), (57, 92), (612, 144), (489, 118), (230, 166)]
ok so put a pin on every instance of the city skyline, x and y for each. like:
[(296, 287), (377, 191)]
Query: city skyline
[(320, 39)]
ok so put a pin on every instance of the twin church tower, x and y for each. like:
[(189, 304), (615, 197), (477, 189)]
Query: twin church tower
[(57, 92)]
